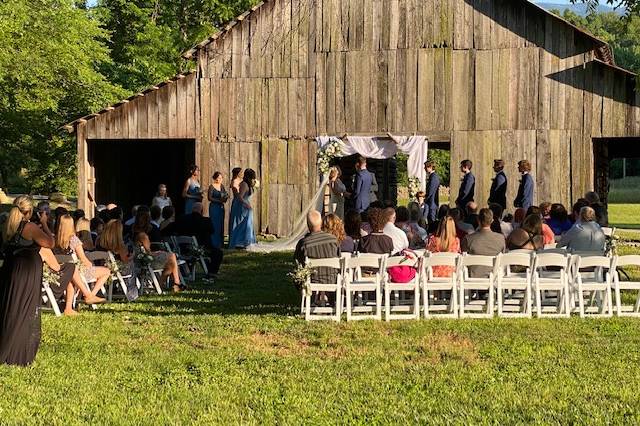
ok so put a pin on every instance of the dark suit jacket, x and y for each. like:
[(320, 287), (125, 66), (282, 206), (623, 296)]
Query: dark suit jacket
[(467, 190), (362, 190), (432, 199), (194, 224), (524, 199), (498, 192)]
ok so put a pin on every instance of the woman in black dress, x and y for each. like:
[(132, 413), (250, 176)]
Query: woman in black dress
[(20, 281)]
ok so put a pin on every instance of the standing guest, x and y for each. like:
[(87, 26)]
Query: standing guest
[(317, 244), (462, 229), (352, 225), (575, 211), (585, 235), (362, 185), (161, 199), (237, 175), (83, 232), (432, 195), (242, 233), (167, 262), (377, 241), (143, 224), (602, 218), (25, 247), (191, 192), (397, 235), (444, 241), (472, 214), (97, 226), (411, 230), (337, 192), (545, 210), (484, 242), (547, 232), (559, 219), (467, 186), (524, 199), (332, 224), (498, 225), (498, 191), (156, 216), (217, 196), (528, 236), (194, 224), (168, 221)]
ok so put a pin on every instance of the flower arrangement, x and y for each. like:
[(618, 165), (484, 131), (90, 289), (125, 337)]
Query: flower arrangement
[(49, 276), (331, 150), (414, 186), (142, 260), (196, 250), (611, 245), (114, 267), (300, 275)]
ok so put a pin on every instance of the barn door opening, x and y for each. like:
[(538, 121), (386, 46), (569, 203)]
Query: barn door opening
[(386, 172), (609, 154), (128, 172)]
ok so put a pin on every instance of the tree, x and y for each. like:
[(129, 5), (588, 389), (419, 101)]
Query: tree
[(48, 75), (632, 6)]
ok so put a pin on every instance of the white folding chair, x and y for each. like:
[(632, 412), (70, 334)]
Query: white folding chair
[(513, 282), (432, 284), (49, 298), (402, 308), (117, 277), (83, 281), (593, 275), (551, 273), (618, 262), (608, 232), (356, 284), (468, 286), (322, 312), (182, 241)]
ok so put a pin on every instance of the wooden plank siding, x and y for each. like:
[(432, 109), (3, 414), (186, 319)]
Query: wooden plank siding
[(497, 78)]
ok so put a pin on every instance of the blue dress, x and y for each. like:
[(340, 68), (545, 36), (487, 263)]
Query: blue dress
[(216, 215), (241, 233), (194, 189)]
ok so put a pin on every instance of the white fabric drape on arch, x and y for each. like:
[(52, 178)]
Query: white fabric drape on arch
[(370, 147)]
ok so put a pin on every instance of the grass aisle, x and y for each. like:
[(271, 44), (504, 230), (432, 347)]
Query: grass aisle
[(238, 353)]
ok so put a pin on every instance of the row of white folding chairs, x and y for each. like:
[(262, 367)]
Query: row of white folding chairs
[(569, 276)]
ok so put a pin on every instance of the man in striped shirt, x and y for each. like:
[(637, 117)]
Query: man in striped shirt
[(318, 245)]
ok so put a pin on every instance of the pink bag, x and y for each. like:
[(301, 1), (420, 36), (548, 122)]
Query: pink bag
[(403, 274)]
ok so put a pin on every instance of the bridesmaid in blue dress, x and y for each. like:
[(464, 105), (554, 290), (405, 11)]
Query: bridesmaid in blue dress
[(218, 197), (237, 174), (242, 233), (191, 191)]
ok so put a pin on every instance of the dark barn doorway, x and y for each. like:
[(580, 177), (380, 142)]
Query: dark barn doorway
[(128, 172), (606, 150)]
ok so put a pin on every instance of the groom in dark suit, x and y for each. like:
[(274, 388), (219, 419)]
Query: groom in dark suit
[(432, 197), (524, 199), (498, 192), (362, 185)]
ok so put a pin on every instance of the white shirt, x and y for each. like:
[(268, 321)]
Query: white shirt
[(506, 228), (161, 202), (400, 241)]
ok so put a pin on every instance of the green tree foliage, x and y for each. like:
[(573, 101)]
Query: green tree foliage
[(632, 6), (48, 57)]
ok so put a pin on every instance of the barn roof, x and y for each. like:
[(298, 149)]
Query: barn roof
[(70, 127), (603, 50)]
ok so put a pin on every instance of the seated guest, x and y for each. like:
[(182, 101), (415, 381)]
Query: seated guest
[(143, 224), (399, 238), (472, 214), (156, 216), (332, 224), (417, 221), (111, 240), (77, 215), (83, 232), (528, 236), (575, 211), (161, 260), (547, 232), (483, 242), (115, 212), (443, 212), (129, 222), (97, 226), (403, 222), (545, 211), (585, 234), (317, 245), (365, 227), (498, 225), (444, 241), (352, 225), (376, 242), (518, 217), (168, 220), (196, 225), (558, 219), (462, 229), (602, 218)]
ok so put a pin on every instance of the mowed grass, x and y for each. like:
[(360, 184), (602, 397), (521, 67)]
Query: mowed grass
[(625, 191), (625, 216), (238, 353)]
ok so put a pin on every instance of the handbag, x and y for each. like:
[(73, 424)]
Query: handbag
[(401, 273)]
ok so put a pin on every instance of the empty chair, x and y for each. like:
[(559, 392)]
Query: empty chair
[(592, 275), (513, 274), (320, 288), (402, 308), (551, 273), (362, 278), (468, 286), (619, 262), (431, 283)]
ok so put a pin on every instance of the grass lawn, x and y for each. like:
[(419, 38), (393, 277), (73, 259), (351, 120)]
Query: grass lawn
[(624, 215), (237, 353)]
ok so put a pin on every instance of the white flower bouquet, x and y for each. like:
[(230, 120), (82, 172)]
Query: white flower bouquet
[(331, 150)]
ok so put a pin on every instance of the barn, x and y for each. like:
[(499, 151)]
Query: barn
[(483, 78)]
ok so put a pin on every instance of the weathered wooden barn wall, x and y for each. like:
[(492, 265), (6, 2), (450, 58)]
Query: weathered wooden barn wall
[(501, 78)]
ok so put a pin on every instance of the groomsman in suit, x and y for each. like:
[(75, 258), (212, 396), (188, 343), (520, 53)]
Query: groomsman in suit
[(524, 199), (498, 192), (362, 185), (432, 198), (467, 186)]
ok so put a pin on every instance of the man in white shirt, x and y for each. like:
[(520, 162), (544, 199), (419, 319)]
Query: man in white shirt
[(399, 238)]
